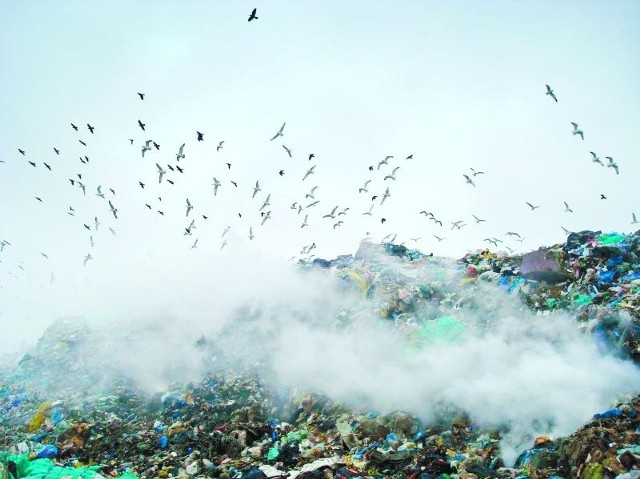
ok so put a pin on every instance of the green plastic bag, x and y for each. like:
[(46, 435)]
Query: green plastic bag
[(445, 328)]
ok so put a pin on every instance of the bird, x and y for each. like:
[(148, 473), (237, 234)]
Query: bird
[(457, 224), (287, 150), (148, 205), (219, 147), (281, 172), (216, 184), (478, 220), (476, 173), (74, 127), (87, 258), (113, 210), (180, 153), (633, 219), (426, 213), (602, 197), (531, 206), (410, 157), (141, 184), (383, 220), (226, 230), (612, 164), (385, 196), (32, 164), (344, 212), (39, 199), (90, 128), (44, 255), (82, 143), (181, 170), (99, 192), (338, 224), (493, 241), (256, 189), (371, 168), (146, 147), (96, 222), (332, 214), (309, 172), (566, 231), (279, 132), (200, 136), (141, 125), (469, 180), (311, 155), (46, 166), (161, 173), (310, 205), (251, 233), (228, 166), (81, 186), (595, 159), (234, 183), (141, 95), (439, 238), (253, 15), (550, 93), (266, 202), (57, 151), (512, 233), (195, 244), (310, 194), (384, 162), (189, 207), (156, 145), (566, 208), (304, 223), (364, 187), (374, 197), (21, 151), (577, 131), (91, 241), (392, 176), (224, 243), (113, 232), (187, 230), (266, 217), (131, 141)]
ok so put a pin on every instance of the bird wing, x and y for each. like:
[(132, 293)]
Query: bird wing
[(575, 125), (282, 127)]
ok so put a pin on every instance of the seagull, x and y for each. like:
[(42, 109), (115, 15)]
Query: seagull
[(371, 168), (161, 173), (457, 224), (228, 166), (476, 173), (494, 241), (113, 210), (43, 254), (596, 159), (294, 205), (32, 164), (602, 197), (332, 214), (478, 220), (170, 167), (224, 243), (131, 141), (577, 131), (266, 217), (531, 206), (39, 199), (392, 176), (113, 232), (146, 147), (384, 162), (338, 224), (47, 166), (141, 184), (279, 132), (312, 204), (226, 230), (71, 211), (84, 188), (566, 208), (385, 196), (469, 180), (311, 155), (187, 231), (82, 143), (251, 233), (382, 220), (189, 207), (368, 213), (550, 93), (57, 151), (426, 213), (234, 183), (309, 172), (219, 147), (438, 238), (256, 189), (253, 15), (266, 202), (180, 153), (181, 170), (74, 127), (216, 184), (90, 128), (87, 258), (112, 191), (156, 146), (310, 194), (344, 212), (200, 136), (633, 218), (21, 151), (288, 151), (100, 193), (281, 172), (612, 164), (97, 223), (306, 217), (141, 125), (364, 187), (195, 244), (91, 241), (512, 233)]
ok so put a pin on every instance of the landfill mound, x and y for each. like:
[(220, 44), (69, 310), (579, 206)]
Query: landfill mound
[(70, 410)]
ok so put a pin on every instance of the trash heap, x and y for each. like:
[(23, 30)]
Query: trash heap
[(55, 424)]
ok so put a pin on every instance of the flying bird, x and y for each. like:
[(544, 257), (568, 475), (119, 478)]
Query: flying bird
[(602, 197), (234, 183), (156, 145), (253, 15), (141, 184), (32, 164), (141, 125), (216, 184), (634, 221), (96, 222), (141, 95), (82, 143), (469, 180), (281, 172), (266, 202), (47, 166), (612, 164), (531, 206), (577, 131), (57, 151), (74, 127), (100, 193), (279, 132), (364, 187), (90, 128), (392, 176), (566, 208), (338, 224), (266, 217), (512, 233), (87, 258), (113, 210), (478, 220), (251, 233), (550, 93), (476, 173), (161, 173), (21, 151), (332, 214), (306, 217), (256, 189), (181, 170), (219, 147), (287, 150), (200, 136), (189, 207), (595, 159), (439, 238), (385, 196), (81, 186), (309, 172), (39, 199), (180, 153), (195, 244), (311, 193), (311, 155), (384, 162), (146, 147)]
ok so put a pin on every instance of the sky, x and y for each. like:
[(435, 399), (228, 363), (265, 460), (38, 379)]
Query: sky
[(458, 85)]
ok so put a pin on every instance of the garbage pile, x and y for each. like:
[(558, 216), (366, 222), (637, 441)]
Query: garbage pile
[(233, 423)]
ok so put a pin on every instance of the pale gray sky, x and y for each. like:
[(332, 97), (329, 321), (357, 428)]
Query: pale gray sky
[(456, 84)]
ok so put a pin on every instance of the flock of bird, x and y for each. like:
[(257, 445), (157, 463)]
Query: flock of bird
[(386, 172)]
